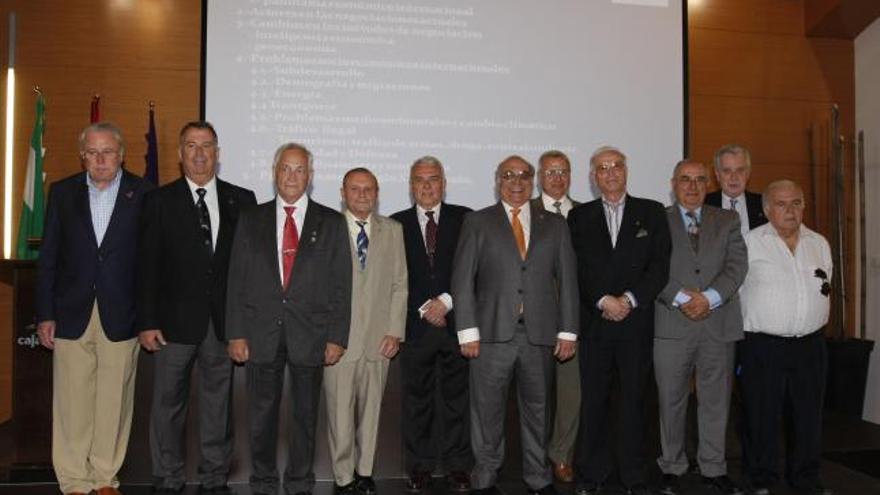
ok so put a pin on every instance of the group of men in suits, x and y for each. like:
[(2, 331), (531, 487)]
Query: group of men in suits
[(200, 275)]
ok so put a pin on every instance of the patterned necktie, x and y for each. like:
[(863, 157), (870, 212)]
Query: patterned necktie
[(362, 244), (205, 221), (733, 204), (289, 244), (430, 237), (518, 232), (693, 230), (558, 206)]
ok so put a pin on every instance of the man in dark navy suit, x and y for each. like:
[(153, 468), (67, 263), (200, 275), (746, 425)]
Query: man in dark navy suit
[(186, 237), (85, 309), (430, 234), (733, 165)]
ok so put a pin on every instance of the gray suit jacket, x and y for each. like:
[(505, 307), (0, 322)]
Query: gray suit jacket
[(379, 291), (315, 308), (720, 264), (490, 280)]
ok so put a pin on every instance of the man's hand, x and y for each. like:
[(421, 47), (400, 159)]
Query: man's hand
[(46, 332), (333, 353), (697, 308), (565, 349), (471, 349), (238, 350), (615, 308), (435, 313), (389, 346), (152, 340)]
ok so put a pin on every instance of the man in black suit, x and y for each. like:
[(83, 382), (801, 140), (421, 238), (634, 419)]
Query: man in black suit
[(733, 165), (186, 237), (288, 305), (623, 247), (430, 234), (85, 308)]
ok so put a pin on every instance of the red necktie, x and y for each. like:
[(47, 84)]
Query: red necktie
[(289, 244)]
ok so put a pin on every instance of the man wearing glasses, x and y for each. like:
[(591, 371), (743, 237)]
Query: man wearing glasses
[(554, 172), (698, 321), (622, 247), (515, 289), (85, 311)]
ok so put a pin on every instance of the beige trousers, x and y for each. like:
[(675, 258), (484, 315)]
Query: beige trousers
[(93, 391), (354, 398)]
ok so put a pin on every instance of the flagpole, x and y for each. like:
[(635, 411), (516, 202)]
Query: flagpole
[(10, 135)]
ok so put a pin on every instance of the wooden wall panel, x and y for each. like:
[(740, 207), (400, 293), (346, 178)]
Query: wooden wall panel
[(748, 16), (129, 52)]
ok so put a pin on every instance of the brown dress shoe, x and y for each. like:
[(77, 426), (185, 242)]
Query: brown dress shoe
[(74, 493), (563, 472), (108, 490)]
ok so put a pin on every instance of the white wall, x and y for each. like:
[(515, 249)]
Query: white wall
[(867, 54)]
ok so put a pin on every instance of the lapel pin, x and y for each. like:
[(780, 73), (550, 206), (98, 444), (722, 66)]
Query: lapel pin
[(129, 194)]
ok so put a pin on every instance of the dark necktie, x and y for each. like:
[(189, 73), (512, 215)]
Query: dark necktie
[(430, 236), (733, 204), (362, 244), (558, 206), (289, 244), (693, 230), (205, 221)]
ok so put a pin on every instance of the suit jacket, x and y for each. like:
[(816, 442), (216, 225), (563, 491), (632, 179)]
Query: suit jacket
[(490, 280), (720, 263), (378, 297), (73, 269), (425, 281), (315, 308), (180, 285), (754, 207), (638, 263)]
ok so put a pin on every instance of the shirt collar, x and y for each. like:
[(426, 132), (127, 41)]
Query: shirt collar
[(698, 211), (353, 220), (210, 186), (548, 201), (618, 204), (436, 209), (524, 210), (299, 203)]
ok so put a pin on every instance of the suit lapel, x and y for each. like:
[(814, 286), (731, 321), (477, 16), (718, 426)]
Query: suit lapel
[(597, 218), (84, 211), (678, 230), (226, 204), (502, 223), (416, 239), (121, 206), (537, 230), (268, 237)]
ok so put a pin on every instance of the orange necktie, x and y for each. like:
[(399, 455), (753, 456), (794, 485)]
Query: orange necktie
[(518, 233)]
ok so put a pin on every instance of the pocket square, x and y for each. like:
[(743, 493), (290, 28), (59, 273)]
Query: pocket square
[(641, 233)]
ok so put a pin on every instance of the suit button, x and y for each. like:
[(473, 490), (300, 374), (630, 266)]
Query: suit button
[(519, 291), (697, 271), (100, 258), (278, 322), (523, 268), (283, 300)]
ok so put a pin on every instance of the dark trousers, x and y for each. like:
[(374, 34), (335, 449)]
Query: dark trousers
[(173, 368), (435, 357), (602, 358), (264, 383), (783, 374)]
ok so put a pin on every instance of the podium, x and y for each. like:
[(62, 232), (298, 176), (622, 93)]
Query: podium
[(31, 380)]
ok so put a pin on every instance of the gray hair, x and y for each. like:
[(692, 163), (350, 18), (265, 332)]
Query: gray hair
[(778, 184), (108, 127), (427, 160), (733, 149), (547, 155), (687, 161), (511, 158), (292, 146), (605, 149)]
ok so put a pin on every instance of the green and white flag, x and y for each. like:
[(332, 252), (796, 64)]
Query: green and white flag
[(33, 210)]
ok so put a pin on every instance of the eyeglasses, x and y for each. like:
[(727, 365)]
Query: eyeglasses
[(557, 172), (93, 154), (686, 180), (610, 166), (514, 175)]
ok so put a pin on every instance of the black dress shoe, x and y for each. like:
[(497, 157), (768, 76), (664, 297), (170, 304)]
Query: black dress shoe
[(491, 490), (459, 481), (365, 484), (167, 491), (588, 488), (670, 484), (817, 489), (215, 490), (303, 493), (547, 490), (418, 481), (349, 489), (723, 484), (639, 489), (758, 490)]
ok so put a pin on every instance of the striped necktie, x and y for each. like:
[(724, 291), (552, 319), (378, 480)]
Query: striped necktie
[(362, 244)]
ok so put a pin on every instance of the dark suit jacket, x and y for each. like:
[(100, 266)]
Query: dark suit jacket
[(179, 284), (490, 280), (753, 205), (426, 282), (639, 263), (73, 270), (315, 308)]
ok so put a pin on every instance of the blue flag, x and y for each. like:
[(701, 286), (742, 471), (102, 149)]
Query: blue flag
[(151, 172)]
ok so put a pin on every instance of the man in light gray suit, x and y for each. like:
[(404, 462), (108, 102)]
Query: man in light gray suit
[(697, 323), (514, 283)]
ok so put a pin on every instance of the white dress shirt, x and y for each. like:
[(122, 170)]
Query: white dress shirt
[(472, 334), (299, 216), (445, 298), (211, 202), (565, 204), (781, 294), (614, 220), (742, 208)]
